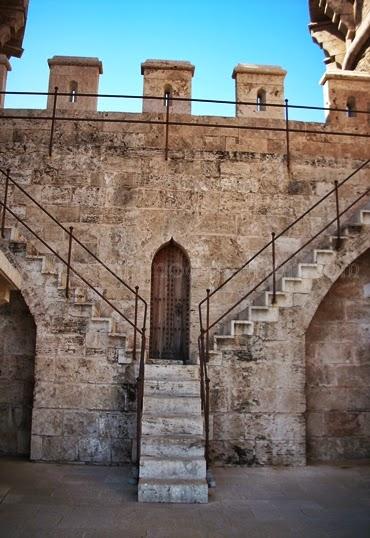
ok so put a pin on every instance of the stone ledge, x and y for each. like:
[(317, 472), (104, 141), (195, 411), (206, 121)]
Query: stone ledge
[(167, 64), (76, 60), (259, 69)]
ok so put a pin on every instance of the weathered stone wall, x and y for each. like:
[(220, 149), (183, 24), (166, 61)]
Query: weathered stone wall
[(220, 194), (17, 361), (338, 369), (257, 401)]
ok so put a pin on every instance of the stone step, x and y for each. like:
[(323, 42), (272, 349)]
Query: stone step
[(177, 388), (323, 256), (343, 239), (172, 372), (102, 340), (49, 265), (35, 260), (263, 313), (283, 299), (172, 425), (80, 296), (171, 405), (365, 216), (12, 233), (224, 341), (351, 229), (309, 270), (241, 327), (296, 284), (165, 362), (102, 325), (172, 445), (180, 468), (172, 491)]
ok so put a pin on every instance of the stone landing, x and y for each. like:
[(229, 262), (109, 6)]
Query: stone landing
[(172, 463)]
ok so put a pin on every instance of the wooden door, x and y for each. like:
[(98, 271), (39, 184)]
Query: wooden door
[(170, 302)]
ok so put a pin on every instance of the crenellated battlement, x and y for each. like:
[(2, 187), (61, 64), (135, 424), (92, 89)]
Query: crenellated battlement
[(167, 87)]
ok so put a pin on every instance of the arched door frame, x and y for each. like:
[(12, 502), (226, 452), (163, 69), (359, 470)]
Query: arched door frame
[(170, 304)]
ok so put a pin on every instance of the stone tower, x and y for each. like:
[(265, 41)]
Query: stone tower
[(261, 85), (74, 75), (349, 92), (167, 79)]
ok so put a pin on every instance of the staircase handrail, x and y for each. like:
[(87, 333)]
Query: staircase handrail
[(269, 243), (75, 238)]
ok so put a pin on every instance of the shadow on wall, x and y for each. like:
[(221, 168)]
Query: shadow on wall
[(338, 369), (17, 360)]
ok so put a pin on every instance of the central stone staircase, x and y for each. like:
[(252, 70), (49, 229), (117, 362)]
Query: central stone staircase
[(172, 462)]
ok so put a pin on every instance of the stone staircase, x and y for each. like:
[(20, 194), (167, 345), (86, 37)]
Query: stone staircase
[(172, 463), (102, 331), (291, 290)]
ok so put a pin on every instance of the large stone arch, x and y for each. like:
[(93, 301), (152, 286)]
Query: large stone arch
[(17, 365), (17, 361), (338, 369), (348, 254), (344, 261)]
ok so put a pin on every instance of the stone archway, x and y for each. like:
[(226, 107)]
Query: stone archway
[(17, 362), (338, 368)]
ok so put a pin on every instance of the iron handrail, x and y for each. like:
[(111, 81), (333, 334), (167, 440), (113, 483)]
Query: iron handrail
[(74, 237), (283, 232), (133, 324), (186, 99), (166, 122), (203, 339), (60, 258)]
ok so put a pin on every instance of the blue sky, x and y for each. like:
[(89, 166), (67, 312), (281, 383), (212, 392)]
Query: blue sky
[(214, 35)]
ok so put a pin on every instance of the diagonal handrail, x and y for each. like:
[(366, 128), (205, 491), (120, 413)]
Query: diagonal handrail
[(66, 263), (74, 237), (284, 231), (134, 291), (205, 328)]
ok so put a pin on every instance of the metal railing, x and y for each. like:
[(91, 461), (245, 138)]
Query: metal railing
[(73, 239), (167, 122), (206, 325)]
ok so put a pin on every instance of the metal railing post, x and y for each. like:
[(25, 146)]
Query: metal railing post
[(138, 422), (5, 203), (168, 104), (338, 240), (207, 326), (53, 121), (287, 134), (135, 322), (273, 268), (140, 396), (69, 260), (201, 359), (206, 415)]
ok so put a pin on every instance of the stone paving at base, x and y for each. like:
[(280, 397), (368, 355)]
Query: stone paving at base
[(41, 500)]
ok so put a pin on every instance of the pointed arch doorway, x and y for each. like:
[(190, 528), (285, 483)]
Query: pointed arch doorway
[(170, 303)]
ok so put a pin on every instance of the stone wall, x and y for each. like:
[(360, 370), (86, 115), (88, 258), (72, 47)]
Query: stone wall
[(338, 369), (220, 194), (17, 361), (257, 401)]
